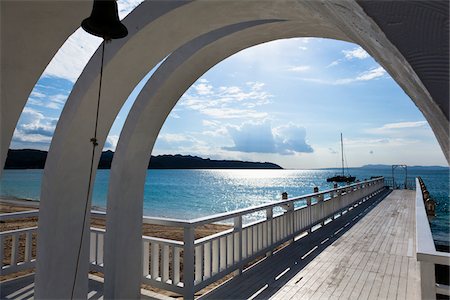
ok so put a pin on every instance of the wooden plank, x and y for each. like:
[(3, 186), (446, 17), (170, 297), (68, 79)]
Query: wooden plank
[(393, 287), (367, 287), (376, 286)]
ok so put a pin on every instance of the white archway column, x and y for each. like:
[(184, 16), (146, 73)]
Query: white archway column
[(127, 61)]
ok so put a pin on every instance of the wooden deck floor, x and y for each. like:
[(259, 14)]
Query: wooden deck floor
[(369, 253)]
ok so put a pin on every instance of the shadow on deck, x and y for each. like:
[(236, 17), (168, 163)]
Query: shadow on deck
[(23, 288)]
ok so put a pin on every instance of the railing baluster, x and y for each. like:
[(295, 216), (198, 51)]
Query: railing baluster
[(100, 239), (264, 234), (155, 261), (269, 218), (238, 241), (176, 265), (28, 246), (223, 253), (244, 243), (252, 239), (145, 258), (260, 237), (230, 250), (92, 246), (14, 249), (165, 263), (207, 256), (199, 263), (2, 246), (215, 257)]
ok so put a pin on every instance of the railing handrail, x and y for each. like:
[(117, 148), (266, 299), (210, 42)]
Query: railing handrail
[(229, 215), (17, 231), (19, 214), (425, 247)]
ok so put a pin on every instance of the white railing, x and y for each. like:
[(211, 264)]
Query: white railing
[(19, 242), (426, 252), (187, 266)]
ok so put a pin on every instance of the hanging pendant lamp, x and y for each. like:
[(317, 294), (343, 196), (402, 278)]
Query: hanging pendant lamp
[(104, 21)]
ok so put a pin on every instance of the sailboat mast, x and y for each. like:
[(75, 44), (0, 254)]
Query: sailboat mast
[(342, 154)]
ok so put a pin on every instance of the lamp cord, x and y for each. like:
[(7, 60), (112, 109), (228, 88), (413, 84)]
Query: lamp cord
[(94, 145)]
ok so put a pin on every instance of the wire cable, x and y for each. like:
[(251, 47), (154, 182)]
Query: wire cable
[(94, 145)]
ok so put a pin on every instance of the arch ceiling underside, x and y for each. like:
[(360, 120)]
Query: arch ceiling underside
[(202, 33)]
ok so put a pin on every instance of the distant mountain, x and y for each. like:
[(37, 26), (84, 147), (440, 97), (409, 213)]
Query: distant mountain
[(25, 159), (35, 159), (380, 167)]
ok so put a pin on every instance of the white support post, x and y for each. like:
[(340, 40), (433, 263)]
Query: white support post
[(238, 230), (427, 280), (308, 204), (290, 221), (28, 246), (1, 251), (188, 263), (269, 218), (321, 204)]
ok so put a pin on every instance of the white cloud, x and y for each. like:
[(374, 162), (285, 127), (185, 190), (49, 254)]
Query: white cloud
[(55, 101), (410, 129), (179, 143), (334, 63), (364, 76), (37, 94), (231, 113), (111, 142), (34, 127), (404, 125), (126, 6), (171, 138), (299, 68), (203, 88), (209, 123), (227, 102), (358, 53), (260, 137), (371, 74), (72, 57)]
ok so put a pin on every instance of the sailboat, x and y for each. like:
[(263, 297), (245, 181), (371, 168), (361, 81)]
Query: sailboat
[(343, 177)]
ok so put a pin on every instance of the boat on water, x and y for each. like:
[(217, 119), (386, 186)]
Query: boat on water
[(342, 177)]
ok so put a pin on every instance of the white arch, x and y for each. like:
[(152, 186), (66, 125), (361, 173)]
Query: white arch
[(154, 103), (65, 177), (64, 182), (139, 134)]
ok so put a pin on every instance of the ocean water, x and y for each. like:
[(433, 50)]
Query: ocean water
[(188, 194)]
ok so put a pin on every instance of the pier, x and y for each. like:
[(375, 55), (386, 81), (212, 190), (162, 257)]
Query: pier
[(362, 241)]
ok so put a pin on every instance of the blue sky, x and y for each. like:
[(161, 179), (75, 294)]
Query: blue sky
[(284, 101)]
